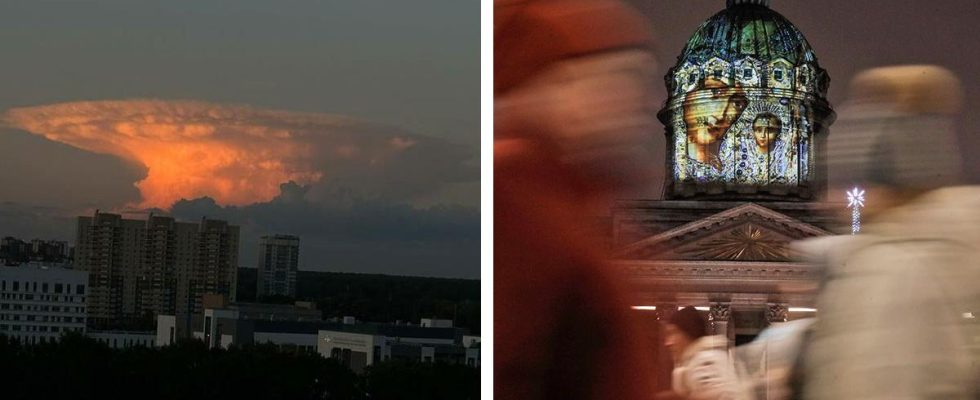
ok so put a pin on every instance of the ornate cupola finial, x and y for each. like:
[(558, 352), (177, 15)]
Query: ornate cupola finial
[(764, 3)]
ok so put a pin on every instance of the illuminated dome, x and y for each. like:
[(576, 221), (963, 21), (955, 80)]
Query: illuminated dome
[(747, 34), (746, 107)]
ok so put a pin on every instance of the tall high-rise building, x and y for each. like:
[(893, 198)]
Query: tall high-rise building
[(278, 262), (216, 269), (109, 248), (169, 261), (140, 269)]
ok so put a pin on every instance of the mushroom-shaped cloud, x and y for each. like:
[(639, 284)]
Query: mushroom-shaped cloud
[(239, 155)]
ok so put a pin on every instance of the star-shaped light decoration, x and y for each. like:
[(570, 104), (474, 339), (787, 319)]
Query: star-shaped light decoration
[(855, 200)]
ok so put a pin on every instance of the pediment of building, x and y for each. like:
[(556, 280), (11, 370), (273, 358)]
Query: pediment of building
[(749, 232)]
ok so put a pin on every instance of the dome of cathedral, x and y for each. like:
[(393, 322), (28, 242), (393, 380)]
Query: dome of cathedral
[(743, 40), (746, 109)]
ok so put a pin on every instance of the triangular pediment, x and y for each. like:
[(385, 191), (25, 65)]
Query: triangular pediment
[(749, 232)]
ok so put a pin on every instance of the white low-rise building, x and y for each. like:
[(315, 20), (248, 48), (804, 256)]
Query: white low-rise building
[(355, 350), (436, 323), (360, 346), (473, 356), (124, 339), (472, 346), (300, 342), (469, 340), (39, 304), (166, 330), (356, 345), (217, 332)]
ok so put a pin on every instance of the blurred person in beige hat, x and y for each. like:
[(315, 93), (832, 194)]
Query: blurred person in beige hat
[(896, 301)]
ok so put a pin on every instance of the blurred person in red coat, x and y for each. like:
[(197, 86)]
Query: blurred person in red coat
[(574, 121)]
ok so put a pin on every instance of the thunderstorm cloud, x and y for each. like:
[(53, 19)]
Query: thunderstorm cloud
[(240, 155)]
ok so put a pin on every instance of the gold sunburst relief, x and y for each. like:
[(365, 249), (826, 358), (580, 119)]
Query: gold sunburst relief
[(746, 242)]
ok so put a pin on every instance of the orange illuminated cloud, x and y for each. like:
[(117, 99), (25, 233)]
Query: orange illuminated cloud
[(236, 155)]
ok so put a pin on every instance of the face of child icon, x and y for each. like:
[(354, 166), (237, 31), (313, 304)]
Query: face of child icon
[(765, 129)]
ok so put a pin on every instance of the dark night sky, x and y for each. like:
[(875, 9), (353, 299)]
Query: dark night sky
[(849, 36)]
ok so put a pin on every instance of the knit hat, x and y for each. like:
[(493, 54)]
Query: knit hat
[(898, 129), (689, 321)]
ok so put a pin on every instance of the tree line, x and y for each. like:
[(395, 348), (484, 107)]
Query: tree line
[(79, 367), (380, 298)]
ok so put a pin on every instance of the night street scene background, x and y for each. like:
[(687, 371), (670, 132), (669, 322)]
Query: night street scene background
[(736, 199)]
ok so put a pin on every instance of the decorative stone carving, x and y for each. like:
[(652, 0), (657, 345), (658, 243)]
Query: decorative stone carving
[(719, 312), (777, 313), (745, 242), (744, 233), (718, 316)]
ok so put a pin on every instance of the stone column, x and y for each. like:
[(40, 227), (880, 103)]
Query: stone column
[(776, 312), (718, 316)]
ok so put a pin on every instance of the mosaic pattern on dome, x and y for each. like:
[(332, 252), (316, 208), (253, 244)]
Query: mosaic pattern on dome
[(754, 42), (739, 136), (746, 97)]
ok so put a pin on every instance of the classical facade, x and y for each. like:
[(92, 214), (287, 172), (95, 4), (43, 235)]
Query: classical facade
[(746, 120)]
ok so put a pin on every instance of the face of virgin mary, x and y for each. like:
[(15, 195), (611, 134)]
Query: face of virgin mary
[(708, 119)]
